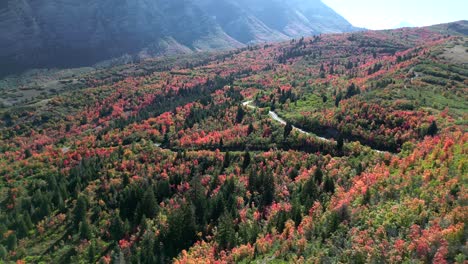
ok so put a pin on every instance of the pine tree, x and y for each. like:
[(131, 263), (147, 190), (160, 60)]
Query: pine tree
[(287, 130), (182, 229), (226, 236), (318, 176), (433, 129), (149, 204), (21, 228), (166, 140), (92, 252), (252, 181), (12, 242), (338, 99), (227, 160), (329, 185), (309, 193), (268, 193), (250, 129), (240, 115), (147, 248), (79, 212), (3, 252), (340, 143), (85, 231), (246, 161), (116, 227)]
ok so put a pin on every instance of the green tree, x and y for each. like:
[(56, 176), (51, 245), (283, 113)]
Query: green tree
[(79, 213), (149, 204), (240, 115), (227, 160), (329, 185), (226, 236), (433, 129), (92, 252), (116, 227), (250, 129), (340, 143), (318, 176), (12, 242), (166, 140), (287, 130), (3, 252), (182, 229), (309, 192), (147, 248), (268, 192), (338, 99), (85, 230), (246, 161)]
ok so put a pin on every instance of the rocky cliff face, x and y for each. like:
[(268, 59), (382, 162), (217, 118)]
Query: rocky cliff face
[(269, 20), (70, 33)]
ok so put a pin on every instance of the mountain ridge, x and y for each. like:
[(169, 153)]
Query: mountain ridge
[(64, 33)]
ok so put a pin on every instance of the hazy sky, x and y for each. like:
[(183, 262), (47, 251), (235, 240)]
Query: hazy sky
[(382, 14)]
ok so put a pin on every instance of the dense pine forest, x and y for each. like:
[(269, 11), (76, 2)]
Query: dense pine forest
[(338, 148)]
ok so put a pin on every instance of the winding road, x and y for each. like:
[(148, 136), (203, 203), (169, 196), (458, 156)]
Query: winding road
[(280, 120)]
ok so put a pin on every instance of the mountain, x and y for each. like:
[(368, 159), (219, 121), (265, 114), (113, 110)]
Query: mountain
[(267, 20), (231, 157), (68, 33)]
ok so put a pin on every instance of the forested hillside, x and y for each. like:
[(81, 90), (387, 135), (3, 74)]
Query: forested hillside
[(348, 148)]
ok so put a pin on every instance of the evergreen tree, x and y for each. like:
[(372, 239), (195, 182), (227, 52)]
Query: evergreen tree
[(240, 115), (21, 228), (116, 227), (227, 160), (433, 129), (3, 252), (338, 99), (340, 143), (287, 130), (182, 229), (166, 140), (246, 161), (250, 129), (11, 242), (309, 193), (79, 212), (252, 181), (318, 176), (147, 248), (85, 231), (329, 185), (149, 205), (226, 236), (92, 252), (198, 198), (268, 192)]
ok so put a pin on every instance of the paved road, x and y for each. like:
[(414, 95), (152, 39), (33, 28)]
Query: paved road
[(280, 120)]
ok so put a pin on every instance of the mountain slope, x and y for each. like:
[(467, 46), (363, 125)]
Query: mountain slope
[(188, 159), (282, 19), (67, 33)]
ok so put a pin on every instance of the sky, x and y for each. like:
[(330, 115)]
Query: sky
[(385, 14)]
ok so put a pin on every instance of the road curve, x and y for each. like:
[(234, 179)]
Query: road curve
[(280, 120)]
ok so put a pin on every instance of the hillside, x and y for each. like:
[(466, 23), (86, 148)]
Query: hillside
[(66, 33), (335, 148)]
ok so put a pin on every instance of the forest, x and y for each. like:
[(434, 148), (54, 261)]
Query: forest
[(338, 148)]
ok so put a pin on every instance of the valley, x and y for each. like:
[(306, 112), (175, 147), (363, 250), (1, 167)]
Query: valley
[(334, 148)]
